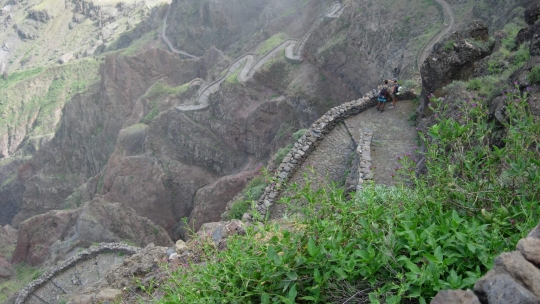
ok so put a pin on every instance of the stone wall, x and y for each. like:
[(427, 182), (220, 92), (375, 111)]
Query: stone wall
[(90, 253), (311, 139)]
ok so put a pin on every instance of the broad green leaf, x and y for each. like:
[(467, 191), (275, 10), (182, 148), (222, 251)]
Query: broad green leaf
[(292, 294), (471, 247), (312, 249), (265, 298), (292, 275)]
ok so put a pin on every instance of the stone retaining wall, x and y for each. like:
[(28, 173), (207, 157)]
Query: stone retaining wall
[(311, 139), (307, 144), (71, 262), (363, 151)]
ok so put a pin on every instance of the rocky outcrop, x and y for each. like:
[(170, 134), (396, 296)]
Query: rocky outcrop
[(39, 15), (97, 117), (56, 235), (28, 29), (210, 201), (515, 278), (454, 58)]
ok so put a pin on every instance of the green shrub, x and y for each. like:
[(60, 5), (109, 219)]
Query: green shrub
[(401, 244), (254, 190), (520, 57), (474, 84), (449, 45), (534, 76), (296, 135), (238, 209), (280, 155)]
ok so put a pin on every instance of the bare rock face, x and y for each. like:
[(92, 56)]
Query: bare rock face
[(453, 59), (67, 161), (211, 200), (36, 235), (11, 189), (532, 12), (57, 234), (6, 271)]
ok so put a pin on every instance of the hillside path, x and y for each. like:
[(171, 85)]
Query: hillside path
[(331, 160), (448, 13)]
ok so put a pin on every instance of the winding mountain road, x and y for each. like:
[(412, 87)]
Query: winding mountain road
[(424, 53), (248, 63)]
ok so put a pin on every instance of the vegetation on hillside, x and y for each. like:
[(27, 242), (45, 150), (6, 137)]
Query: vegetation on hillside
[(435, 231), (33, 96)]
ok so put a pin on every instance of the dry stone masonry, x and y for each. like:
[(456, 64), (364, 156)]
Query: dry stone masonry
[(309, 141), (81, 270), (515, 278), (363, 152)]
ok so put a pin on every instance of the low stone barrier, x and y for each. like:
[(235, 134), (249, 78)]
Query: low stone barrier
[(311, 139), (363, 151), (71, 262), (307, 144)]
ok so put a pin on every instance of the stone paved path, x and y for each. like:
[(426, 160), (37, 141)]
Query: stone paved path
[(331, 160), (84, 273), (392, 137)]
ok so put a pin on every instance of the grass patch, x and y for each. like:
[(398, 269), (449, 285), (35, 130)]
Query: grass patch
[(253, 191), (270, 43), (138, 44), (233, 78), (18, 76), (23, 275), (280, 155)]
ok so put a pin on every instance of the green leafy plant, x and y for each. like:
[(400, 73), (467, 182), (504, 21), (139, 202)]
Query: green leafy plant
[(281, 153), (401, 243), (534, 76), (449, 45)]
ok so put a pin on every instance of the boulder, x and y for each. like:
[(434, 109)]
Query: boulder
[(180, 246), (109, 294), (530, 249), (455, 297), (502, 289), (65, 58)]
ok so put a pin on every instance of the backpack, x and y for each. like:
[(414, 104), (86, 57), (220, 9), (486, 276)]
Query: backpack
[(397, 89), (383, 94)]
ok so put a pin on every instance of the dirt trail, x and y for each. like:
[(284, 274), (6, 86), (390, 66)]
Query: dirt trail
[(448, 13)]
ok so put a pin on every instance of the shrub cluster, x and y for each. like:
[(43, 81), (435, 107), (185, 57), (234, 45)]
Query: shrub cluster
[(437, 231)]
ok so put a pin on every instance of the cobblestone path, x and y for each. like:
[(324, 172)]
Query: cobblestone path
[(331, 160), (392, 137)]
